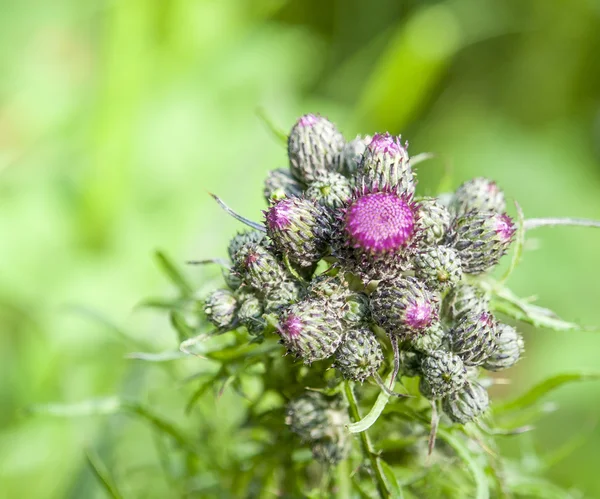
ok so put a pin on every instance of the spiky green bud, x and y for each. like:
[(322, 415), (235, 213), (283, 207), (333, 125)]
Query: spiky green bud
[(466, 404), (242, 239), (481, 239), (258, 267), (299, 229), (331, 450), (473, 338), (509, 348), (359, 355), (410, 364), (464, 299), (330, 189), (429, 340), (442, 373), (351, 155), (404, 306), (307, 416), (311, 330), (220, 308), (385, 165), (357, 310), (283, 294), (314, 147), (250, 314), (479, 194), (280, 184), (438, 267), (432, 222)]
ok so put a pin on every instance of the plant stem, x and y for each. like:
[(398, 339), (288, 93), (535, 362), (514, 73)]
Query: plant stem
[(343, 480), (382, 487), (534, 223)]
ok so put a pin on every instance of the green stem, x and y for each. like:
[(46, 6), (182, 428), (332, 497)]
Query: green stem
[(382, 487), (344, 488), (534, 223)]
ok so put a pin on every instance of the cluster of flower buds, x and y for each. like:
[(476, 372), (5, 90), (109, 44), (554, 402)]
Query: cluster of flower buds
[(397, 266)]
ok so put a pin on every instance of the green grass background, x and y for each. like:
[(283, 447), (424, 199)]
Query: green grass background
[(117, 118)]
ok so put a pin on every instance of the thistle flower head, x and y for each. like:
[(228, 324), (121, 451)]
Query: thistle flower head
[(466, 404), (280, 184), (509, 348), (432, 221), (438, 267), (464, 299), (250, 313), (314, 147), (473, 338), (359, 355), (380, 222), (310, 330), (299, 229), (428, 340), (404, 306), (258, 267), (442, 373), (281, 295), (480, 194), (385, 165), (330, 189), (242, 239), (220, 308), (352, 154)]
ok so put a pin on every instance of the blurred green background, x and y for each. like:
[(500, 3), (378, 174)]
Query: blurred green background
[(117, 117)]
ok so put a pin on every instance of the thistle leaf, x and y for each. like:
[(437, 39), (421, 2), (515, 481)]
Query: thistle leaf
[(103, 474), (173, 274), (393, 485)]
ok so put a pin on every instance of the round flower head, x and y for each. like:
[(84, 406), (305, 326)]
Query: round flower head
[(481, 239), (464, 299), (331, 450), (307, 416), (429, 340), (404, 306), (442, 373), (250, 313), (351, 155), (330, 189), (385, 165), (432, 221), (281, 295), (480, 194), (379, 222), (438, 267), (310, 330), (473, 338), (258, 267), (299, 229), (241, 239), (466, 404), (509, 348), (359, 355), (220, 307), (280, 184), (357, 310), (410, 363), (314, 147)]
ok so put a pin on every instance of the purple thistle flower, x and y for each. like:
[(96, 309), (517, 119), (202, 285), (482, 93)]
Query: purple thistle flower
[(419, 315), (380, 222), (384, 143), (308, 120), (504, 227)]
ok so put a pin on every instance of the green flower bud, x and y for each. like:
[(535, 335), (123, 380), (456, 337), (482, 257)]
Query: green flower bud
[(311, 330), (299, 229), (330, 189), (473, 338), (232, 278), (282, 295), (429, 340), (220, 308), (442, 373), (314, 147), (385, 165), (481, 239), (465, 299), (250, 314), (351, 155), (280, 184), (432, 222), (404, 306), (438, 267), (307, 416), (359, 355), (509, 348), (479, 194), (242, 239), (466, 404), (331, 451), (357, 310), (258, 267)]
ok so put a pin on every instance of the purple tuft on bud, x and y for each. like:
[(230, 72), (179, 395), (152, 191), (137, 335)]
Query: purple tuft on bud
[(480, 194), (385, 165), (380, 222)]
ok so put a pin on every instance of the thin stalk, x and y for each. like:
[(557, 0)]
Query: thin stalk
[(343, 485), (534, 223), (382, 487)]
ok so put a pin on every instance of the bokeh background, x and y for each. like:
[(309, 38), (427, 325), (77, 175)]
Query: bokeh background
[(117, 118)]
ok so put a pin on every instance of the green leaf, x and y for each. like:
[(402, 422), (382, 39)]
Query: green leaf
[(368, 421), (201, 390), (183, 329), (274, 129), (477, 472), (537, 487), (538, 391), (167, 356), (393, 485), (173, 274), (103, 474)]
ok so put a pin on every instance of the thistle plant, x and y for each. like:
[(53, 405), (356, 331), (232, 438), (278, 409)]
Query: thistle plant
[(370, 324)]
